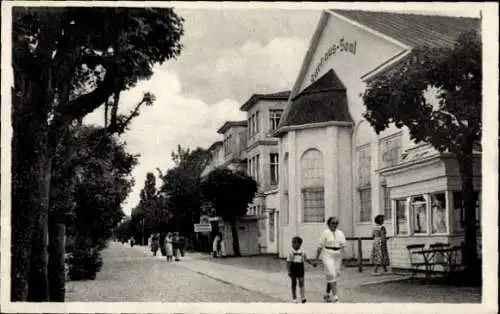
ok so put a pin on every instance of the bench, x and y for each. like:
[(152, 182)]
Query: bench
[(438, 254)]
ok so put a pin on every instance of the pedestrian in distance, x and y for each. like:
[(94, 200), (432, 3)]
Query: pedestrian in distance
[(175, 244), (222, 246), (155, 243), (295, 264), (169, 248), (380, 253), (331, 249), (215, 245)]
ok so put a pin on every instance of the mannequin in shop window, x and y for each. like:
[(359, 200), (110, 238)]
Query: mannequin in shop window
[(438, 216)]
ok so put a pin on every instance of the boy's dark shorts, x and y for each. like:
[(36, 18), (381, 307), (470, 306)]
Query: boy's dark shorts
[(297, 270)]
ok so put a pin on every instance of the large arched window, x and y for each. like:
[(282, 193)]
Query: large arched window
[(312, 181), (363, 180)]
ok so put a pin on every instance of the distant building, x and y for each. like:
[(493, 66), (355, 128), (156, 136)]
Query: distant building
[(262, 155), (250, 147)]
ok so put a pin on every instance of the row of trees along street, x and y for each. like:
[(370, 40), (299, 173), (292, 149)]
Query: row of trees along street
[(69, 179), (177, 205)]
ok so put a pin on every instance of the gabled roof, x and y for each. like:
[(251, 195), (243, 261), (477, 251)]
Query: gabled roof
[(229, 124), (257, 97), (323, 101), (406, 30), (414, 30)]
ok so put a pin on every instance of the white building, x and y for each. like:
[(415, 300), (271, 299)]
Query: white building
[(262, 155), (334, 164)]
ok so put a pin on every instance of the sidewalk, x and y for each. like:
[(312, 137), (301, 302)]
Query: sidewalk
[(272, 279)]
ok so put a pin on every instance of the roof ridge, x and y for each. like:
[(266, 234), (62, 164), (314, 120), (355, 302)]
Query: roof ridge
[(407, 14)]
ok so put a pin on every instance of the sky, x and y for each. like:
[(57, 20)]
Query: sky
[(228, 55)]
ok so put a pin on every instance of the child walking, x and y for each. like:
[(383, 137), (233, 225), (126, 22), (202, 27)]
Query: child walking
[(295, 265)]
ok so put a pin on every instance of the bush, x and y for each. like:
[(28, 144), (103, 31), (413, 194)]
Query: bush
[(84, 264)]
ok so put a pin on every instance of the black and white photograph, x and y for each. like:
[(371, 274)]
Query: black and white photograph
[(234, 157)]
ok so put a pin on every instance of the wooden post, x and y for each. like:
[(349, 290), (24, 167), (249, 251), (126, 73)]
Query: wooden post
[(360, 255)]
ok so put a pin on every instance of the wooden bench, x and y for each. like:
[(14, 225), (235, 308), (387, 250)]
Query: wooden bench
[(415, 250), (438, 254)]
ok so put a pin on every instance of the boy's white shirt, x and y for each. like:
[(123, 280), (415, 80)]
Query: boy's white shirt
[(293, 258)]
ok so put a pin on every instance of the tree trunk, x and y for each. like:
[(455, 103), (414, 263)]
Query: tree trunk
[(30, 187), (38, 289), (57, 253), (236, 239), (465, 161)]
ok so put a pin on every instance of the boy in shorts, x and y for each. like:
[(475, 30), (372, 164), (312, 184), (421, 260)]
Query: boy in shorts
[(295, 265)]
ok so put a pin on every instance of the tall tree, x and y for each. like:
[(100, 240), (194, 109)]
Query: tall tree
[(182, 185), (68, 62), (451, 123), (230, 192)]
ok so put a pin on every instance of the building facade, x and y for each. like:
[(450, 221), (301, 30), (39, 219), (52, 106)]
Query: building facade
[(262, 155), (315, 156), (334, 164)]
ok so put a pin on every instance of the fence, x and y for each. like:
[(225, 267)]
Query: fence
[(358, 250)]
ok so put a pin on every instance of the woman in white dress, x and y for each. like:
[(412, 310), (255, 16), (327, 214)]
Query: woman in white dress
[(331, 249)]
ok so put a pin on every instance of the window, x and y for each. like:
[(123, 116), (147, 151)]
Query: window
[(312, 179), (257, 128), (365, 200), (271, 226), (364, 188), (253, 124), (387, 202), (390, 151), (253, 167), (257, 168), (364, 166), (401, 217), (418, 208), (459, 211), (274, 165), (438, 213), (274, 118), (228, 144)]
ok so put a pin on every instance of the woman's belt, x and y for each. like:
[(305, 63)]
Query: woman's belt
[(332, 248)]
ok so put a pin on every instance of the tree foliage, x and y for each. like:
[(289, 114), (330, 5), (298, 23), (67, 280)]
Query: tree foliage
[(230, 192), (181, 185), (103, 183), (67, 62), (446, 121), (450, 121)]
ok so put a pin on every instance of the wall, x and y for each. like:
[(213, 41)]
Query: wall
[(370, 52), (272, 202), (247, 232), (235, 142), (334, 144)]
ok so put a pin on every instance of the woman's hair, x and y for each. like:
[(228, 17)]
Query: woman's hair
[(331, 219), (379, 219)]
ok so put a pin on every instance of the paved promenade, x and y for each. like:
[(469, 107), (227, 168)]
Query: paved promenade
[(133, 274)]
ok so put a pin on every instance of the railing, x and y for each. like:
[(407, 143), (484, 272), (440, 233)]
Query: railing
[(359, 249)]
